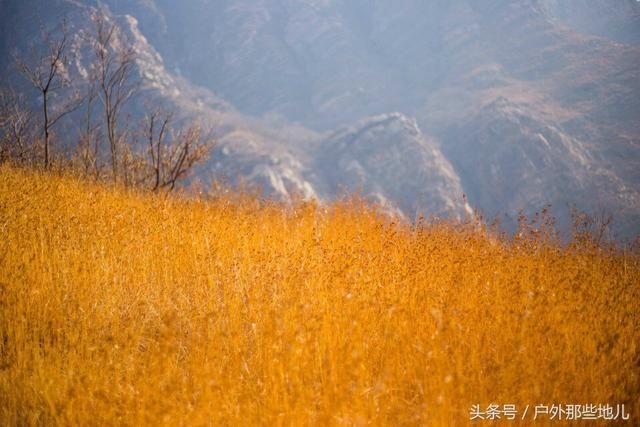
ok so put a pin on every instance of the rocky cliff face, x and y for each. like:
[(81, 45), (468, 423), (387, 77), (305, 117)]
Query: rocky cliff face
[(516, 103), (385, 158), (391, 161), (534, 160)]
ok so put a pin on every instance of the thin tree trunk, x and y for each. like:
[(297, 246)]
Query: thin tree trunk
[(46, 131)]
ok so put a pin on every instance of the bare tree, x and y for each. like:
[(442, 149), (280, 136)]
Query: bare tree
[(191, 148), (157, 123), (47, 72), (172, 154), (594, 227), (114, 60), (88, 149), (16, 138)]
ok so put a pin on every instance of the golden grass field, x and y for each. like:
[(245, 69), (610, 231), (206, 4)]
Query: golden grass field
[(124, 308)]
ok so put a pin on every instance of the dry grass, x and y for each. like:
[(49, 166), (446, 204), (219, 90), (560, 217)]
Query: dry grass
[(129, 309)]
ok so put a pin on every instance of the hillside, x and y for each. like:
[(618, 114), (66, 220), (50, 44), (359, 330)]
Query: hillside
[(519, 103), (120, 308)]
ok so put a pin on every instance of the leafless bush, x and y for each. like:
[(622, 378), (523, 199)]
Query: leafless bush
[(595, 228), (171, 154)]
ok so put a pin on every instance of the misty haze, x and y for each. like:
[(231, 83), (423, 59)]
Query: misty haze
[(515, 104)]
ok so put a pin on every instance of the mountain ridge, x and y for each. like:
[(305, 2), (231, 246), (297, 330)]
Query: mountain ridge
[(282, 79)]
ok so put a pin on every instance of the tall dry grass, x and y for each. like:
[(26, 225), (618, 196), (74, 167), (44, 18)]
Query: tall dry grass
[(129, 309)]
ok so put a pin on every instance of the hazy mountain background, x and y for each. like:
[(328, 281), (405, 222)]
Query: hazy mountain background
[(516, 104)]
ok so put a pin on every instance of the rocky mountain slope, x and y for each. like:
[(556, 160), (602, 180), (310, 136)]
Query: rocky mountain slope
[(515, 103), (389, 159)]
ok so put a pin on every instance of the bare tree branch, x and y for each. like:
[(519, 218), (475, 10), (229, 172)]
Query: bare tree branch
[(171, 154), (114, 59), (47, 73), (16, 139)]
